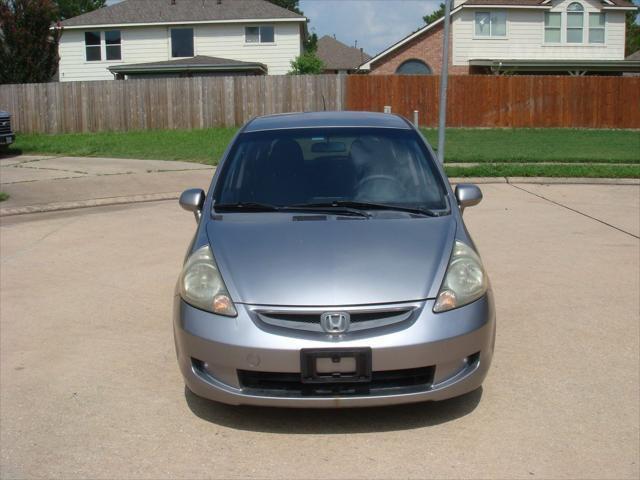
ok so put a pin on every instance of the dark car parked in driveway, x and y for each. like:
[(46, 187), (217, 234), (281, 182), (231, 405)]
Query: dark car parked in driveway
[(331, 267), (7, 137)]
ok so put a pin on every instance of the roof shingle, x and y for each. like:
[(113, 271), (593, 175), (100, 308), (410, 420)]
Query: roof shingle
[(634, 56), (533, 3), (199, 62), (163, 11), (337, 56)]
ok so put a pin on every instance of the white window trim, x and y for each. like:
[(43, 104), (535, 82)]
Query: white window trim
[(597, 44), (85, 46), (585, 30), (567, 27), (491, 37), (103, 41), (195, 44), (103, 47), (260, 42), (544, 31)]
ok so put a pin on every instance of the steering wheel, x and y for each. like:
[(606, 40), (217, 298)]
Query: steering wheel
[(387, 178)]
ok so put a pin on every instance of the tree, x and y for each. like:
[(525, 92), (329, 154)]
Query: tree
[(435, 15), (73, 8), (306, 64), (311, 42), (633, 33), (28, 47), (288, 4)]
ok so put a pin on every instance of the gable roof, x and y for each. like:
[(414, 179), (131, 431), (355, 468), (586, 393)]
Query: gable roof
[(541, 3), (514, 3), (336, 55), (407, 39), (136, 12), (199, 63)]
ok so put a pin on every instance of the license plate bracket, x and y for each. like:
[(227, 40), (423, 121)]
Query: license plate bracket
[(313, 358)]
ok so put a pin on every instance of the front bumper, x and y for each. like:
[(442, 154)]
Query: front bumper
[(458, 345), (7, 139)]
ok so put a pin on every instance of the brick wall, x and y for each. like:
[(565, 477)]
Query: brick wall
[(426, 47)]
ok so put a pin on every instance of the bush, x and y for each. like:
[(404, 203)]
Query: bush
[(306, 64)]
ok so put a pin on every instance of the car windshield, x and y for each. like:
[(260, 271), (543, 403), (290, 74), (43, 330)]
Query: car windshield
[(365, 168)]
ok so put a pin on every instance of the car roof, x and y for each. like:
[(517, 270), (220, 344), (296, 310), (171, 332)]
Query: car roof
[(326, 119)]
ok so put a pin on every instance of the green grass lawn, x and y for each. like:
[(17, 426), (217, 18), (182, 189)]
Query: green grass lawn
[(539, 145), (486, 146), (533, 170), (202, 146)]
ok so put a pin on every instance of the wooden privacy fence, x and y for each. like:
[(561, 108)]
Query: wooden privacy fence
[(185, 103), (164, 103), (505, 101)]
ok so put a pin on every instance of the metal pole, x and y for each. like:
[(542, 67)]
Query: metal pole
[(416, 117), (444, 79)]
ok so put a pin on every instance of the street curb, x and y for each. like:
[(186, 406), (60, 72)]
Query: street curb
[(155, 197), (98, 202)]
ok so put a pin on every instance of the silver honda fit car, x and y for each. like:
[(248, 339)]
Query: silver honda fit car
[(331, 268)]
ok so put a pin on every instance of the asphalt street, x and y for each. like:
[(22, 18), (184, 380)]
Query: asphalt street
[(90, 387)]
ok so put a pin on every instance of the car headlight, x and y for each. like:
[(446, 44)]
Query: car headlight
[(201, 284), (465, 280)]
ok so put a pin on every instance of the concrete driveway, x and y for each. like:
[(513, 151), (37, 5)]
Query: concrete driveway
[(90, 387), (37, 181)]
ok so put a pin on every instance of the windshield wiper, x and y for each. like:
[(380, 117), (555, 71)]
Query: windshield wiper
[(374, 206), (246, 207), (266, 207)]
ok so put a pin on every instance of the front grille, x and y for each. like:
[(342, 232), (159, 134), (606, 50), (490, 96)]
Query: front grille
[(360, 320), (5, 125), (382, 383)]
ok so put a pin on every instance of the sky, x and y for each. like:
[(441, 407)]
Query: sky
[(374, 24)]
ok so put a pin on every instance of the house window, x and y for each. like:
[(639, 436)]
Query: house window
[(491, 24), (261, 34), (596, 27), (113, 45), (182, 42), (414, 67), (92, 46), (575, 22), (552, 27)]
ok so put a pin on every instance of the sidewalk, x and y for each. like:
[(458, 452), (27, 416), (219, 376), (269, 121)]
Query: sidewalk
[(51, 183)]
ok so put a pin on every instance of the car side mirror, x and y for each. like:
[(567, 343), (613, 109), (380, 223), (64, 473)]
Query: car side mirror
[(468, 195), (192, 200)]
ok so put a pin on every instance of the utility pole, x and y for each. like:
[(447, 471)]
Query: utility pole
[(444, 80)]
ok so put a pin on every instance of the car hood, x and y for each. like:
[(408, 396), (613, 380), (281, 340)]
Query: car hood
[(279, 259)]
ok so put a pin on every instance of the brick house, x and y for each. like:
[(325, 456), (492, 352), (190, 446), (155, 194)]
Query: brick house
[(517, 36)]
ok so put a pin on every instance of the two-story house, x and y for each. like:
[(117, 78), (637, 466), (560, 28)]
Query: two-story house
[(160, 38), (517, 36)]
